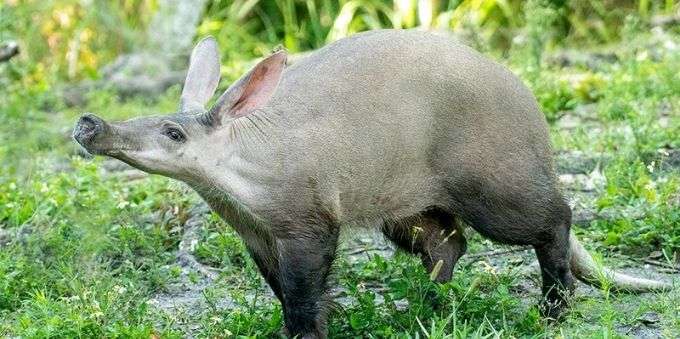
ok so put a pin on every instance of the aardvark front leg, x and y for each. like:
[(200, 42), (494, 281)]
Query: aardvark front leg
[(305, 259)]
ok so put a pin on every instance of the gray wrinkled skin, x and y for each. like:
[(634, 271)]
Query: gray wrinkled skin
[(397, 121), (402, 130)]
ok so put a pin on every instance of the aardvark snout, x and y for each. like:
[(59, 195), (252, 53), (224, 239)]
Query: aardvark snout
[(87, 128)]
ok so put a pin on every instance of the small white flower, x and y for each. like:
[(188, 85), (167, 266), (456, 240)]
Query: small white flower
[(642, 56), (152, 302), (650, 186), (71, 298)]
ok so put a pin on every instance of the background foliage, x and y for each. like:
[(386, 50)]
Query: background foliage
[(72, 38), (82, 252)]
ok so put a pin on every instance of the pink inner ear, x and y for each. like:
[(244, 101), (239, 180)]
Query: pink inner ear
[(260, 86)]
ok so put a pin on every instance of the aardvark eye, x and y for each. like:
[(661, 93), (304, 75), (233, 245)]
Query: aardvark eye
[(174, 134)]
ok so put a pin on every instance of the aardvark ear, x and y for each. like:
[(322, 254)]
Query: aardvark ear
[(202, 77), (251, 91)]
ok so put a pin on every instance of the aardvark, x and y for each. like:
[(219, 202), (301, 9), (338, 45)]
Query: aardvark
[(403, 130)]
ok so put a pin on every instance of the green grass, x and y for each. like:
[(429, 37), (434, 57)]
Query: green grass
[(84, 253)]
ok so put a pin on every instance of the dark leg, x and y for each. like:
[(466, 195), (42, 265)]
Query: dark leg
[(304, 265), (558, 283), (435, 236), (523, 207), (545, 226)]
